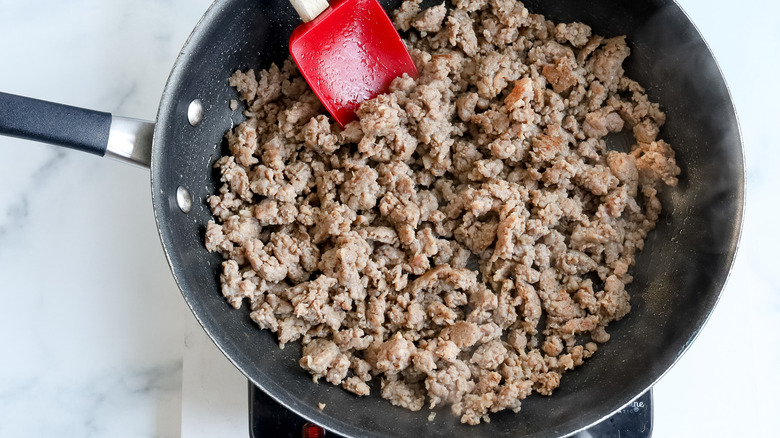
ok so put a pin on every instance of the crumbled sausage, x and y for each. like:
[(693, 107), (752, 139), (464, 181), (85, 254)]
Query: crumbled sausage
[(607, 62), (430, 20), (401, 394), (469, 238), (394, 355), (464, 334), (355, 385), (577, 34), (489, 356)]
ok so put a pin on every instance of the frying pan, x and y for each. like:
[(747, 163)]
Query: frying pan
[(678, 276)]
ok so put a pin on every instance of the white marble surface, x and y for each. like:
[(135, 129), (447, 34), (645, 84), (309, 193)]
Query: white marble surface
[(95, 338), (92, 323)]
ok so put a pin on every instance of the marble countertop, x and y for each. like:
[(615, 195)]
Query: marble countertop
[(96, 339)]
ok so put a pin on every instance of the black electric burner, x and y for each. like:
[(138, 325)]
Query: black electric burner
[(269, 419)]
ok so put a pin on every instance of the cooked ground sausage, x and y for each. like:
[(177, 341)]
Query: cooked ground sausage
[(466, 240)]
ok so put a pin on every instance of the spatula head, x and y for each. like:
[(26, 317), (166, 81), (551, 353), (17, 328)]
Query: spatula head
[(350, 53)]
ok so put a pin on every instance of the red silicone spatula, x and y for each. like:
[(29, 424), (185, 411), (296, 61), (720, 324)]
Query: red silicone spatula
[(348, 51)]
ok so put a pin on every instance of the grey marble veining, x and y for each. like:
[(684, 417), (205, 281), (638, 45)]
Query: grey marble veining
[(86, 407), (17, 210)]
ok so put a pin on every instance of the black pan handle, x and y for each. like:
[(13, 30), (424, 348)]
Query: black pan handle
[(95, 132)]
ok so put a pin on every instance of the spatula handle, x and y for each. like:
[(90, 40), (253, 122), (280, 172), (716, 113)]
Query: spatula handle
[(309, 9)]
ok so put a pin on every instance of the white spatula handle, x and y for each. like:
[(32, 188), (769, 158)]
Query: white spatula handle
[(309, 9)]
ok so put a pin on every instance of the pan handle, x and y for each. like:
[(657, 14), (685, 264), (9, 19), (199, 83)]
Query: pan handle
[(95, 132)]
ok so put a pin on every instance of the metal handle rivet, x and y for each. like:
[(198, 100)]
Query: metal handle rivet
[(184, 199), (195, 112)]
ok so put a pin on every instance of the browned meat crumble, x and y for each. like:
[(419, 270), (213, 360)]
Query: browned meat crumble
[(467, 240)]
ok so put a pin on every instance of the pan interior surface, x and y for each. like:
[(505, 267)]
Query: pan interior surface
[(678, 275)]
